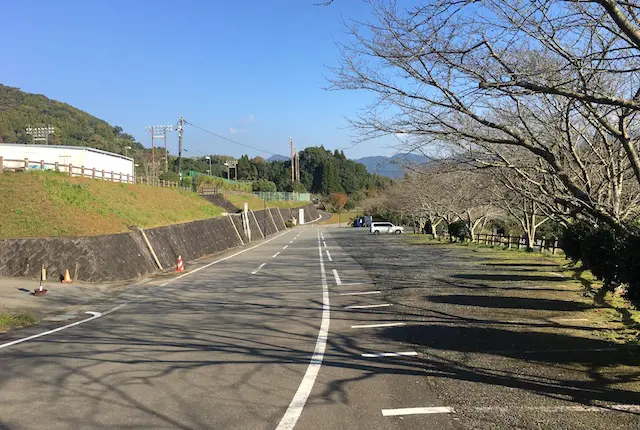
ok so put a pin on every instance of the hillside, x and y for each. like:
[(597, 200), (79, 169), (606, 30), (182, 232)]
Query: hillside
[(39, 204), (19, 110)]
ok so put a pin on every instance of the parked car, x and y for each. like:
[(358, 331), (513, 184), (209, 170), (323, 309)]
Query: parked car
[(385, 227)]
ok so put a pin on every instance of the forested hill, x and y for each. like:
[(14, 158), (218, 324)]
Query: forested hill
[(19, 110), (321, 171)]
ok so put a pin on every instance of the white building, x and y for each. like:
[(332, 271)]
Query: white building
[(76, 160)]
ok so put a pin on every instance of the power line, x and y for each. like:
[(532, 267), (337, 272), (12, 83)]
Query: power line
[(227, 139)]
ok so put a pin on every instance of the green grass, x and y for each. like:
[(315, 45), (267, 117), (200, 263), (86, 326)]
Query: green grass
[(256, 203), (344, 218), (10, 320), (44, 204)]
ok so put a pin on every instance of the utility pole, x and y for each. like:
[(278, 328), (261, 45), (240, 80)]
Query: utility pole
[(293, 161), (180, 124)]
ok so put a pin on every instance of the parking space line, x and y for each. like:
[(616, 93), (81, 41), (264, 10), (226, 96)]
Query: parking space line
[(397, 324), (414, 411), (358, 293), (384, 305), (337, 277), (258, 269), (390, 354)]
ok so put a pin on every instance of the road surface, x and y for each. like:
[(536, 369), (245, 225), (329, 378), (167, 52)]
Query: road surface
[(293, 332)]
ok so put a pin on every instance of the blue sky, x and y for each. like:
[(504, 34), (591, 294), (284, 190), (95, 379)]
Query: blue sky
[(253, 71)]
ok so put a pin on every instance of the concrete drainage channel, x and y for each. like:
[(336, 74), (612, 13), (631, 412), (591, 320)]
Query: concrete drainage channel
[(135, 254)]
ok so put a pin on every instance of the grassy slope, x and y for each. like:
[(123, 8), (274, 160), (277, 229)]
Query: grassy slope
[(256, 203), (39, 204)]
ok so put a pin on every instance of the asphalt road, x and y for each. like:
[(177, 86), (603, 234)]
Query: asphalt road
[(241, 344)]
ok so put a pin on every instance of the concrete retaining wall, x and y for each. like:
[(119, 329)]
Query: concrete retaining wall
[(126, 256)]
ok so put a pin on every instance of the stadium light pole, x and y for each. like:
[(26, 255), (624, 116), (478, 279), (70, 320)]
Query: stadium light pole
[(41, 133), (159, 132)]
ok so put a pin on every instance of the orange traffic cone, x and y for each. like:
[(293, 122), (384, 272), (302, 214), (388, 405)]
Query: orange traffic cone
[(180, 267), (67, 278)]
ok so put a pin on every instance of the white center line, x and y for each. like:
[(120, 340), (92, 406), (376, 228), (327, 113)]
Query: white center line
[(258, 269), (384, 305), (35, 336), (399, 324), (329, 256), (288, 421), (413, 411), (390, 354), (275, 255), (358, 293), (337, 277)]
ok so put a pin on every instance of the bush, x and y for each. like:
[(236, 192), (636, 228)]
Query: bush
[(459, 230), (611, 255), (169, 176), (187, 181), (263, 185)]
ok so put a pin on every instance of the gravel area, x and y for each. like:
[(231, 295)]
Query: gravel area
[(505, 338)]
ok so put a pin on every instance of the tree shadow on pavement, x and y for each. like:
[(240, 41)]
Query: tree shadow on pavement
[(507, 302), (507, 277)]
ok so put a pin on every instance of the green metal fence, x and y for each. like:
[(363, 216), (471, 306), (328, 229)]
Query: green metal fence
[(296, 197)]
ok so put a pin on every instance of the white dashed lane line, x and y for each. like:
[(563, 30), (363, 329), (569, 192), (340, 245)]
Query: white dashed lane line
[(360, 293), (396, 324), (258, 269), (337, 277), (384, 305), (329, 255)]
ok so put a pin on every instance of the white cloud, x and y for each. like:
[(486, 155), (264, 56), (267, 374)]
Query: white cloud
[(237, 131)]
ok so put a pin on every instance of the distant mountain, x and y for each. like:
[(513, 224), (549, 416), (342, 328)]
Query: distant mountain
[(277, 158), (391, 167)]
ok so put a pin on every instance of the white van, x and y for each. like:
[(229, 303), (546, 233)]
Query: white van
[(385, 227)]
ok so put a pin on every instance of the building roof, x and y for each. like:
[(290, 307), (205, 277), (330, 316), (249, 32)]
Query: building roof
[(99, 151)]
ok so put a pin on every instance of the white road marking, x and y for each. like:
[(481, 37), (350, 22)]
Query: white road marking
[(258, 269), (285, 247), (275, 255), (390, 354), (358, 293), (337, 277), (572, 319), (94, 316), (223, 259), (325, 244), (384, 305), (329, 255), (359, 283), (414, 411), (489, 409), (399, 324), (292, 240), (294, 410)]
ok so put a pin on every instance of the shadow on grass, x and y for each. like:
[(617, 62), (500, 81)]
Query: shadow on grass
[(507, 277)]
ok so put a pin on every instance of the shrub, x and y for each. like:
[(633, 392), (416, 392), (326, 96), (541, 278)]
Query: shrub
[(263, 185), (169, 176), (459, 230), (611, 255)]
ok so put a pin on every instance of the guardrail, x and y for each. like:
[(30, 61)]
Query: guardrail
[(518, 242), (70, 169)]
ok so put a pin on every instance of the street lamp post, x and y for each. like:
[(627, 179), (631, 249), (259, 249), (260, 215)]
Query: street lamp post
[(126, 151)]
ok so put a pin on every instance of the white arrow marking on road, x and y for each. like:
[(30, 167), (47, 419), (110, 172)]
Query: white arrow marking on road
[(95, 315)]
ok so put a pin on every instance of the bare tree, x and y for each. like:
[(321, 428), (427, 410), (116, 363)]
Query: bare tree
[(547, 88)]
